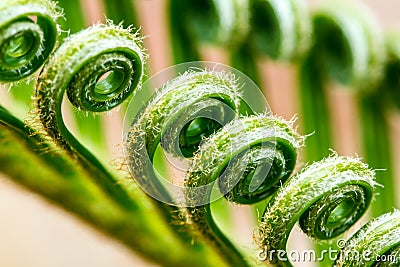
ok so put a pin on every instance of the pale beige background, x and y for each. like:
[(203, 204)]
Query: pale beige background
[(36, 234)]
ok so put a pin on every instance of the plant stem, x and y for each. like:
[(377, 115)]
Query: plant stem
[(377, 149), (68, 186), (315, 115)]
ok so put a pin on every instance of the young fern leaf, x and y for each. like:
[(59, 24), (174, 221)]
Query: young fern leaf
[(28, 34), (377, 243), (169, 119), (212, 21), (327, 198), (77, 67), (241, 154), (280, 29)]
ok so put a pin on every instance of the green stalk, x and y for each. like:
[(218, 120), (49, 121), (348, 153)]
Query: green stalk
[(184, 47), (90, 128), (315, 113), (62, 182), (377, 149), (245, 60)]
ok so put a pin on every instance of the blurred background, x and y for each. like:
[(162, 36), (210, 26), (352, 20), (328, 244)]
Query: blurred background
[(36, 234)]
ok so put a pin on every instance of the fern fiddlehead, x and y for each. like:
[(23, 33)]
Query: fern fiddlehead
[(377, 243), (28, 34), (279, 29), (78, 68), (326, 198), (69, 186), (250, 158), (212, 21), (170, 118)]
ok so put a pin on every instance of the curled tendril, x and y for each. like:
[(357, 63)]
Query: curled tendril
[(179, 116), (376, 244), (327, 198), (211, 21), (28, 33), (281, 29), (79, 67), (250, 157), (99, 68), (349, 44), (224, 22)]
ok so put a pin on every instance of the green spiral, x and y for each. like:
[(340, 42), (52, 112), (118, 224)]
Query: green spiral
[(28, 34), (349, 44), (178, 116), (327, 198), (376, 244), (250, 157), (281, 29), (219, 22), (99, 68)]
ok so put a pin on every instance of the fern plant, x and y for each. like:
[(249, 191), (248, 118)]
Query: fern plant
[(231, 146)]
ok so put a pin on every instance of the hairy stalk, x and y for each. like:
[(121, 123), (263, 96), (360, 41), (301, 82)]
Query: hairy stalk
[(327, 198), (349, 49), (377, 243), (62, 182), (212, 21), (177, 118), (77, 67), (89, 127), (250, 158)]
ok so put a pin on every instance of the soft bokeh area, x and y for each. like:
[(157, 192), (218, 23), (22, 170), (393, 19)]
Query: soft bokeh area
[(34, 233)]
